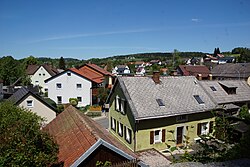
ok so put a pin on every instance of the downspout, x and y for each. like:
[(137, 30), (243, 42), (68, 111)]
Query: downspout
[(136, 122)]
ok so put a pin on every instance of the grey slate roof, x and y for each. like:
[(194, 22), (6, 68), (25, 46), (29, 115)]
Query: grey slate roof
[(18, 95), (231, 70), (176, 92), (221, 96)]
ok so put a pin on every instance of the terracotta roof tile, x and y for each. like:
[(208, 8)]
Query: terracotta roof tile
[(88, 75), (99, 69), (75, 133)]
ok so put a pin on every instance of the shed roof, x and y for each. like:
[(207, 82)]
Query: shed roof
[(177, 93), (234, 70)]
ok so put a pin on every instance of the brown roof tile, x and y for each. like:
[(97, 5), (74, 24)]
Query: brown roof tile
[(188, 70), (75, 133), (97, 68)]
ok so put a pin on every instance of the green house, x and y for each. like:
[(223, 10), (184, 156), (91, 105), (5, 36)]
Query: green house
[(153, 112)]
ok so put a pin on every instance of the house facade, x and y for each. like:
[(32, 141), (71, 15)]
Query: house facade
[(159, 111), (39, 73), (26, 99), (121, 70), (70, 84)]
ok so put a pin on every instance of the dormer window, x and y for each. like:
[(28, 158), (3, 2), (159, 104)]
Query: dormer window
[(230, 89), (198, 99), (160, 102)]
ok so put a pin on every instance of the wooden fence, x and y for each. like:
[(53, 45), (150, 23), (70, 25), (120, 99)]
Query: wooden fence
[(132, 163)]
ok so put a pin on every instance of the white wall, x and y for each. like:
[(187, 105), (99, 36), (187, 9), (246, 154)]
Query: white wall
[(69, 89), (39, 108), (40, 75)]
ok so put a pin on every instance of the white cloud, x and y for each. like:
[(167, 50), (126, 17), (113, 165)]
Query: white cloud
[(195, 20), (93, 34)]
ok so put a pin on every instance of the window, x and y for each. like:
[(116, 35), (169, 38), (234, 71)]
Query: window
[(36, 82), (68, 73), (120, 105), (120, 129), (160, 102), (127, 134), (181, 118), (113, 124), (79, 99), (59, 99), (157, 136), (58, 85), (198, 99), (203, 128), (78, 86), (213, 88), (43, 74), (29, 103), (39, 74)]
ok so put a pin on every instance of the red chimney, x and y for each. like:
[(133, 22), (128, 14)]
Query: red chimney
[(156, 77)]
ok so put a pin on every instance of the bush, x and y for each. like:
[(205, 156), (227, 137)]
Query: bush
[(60, 108), (73, 101)]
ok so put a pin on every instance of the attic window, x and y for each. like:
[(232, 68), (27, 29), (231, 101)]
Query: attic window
[(198, 99), (160, 102), (68, 73), (213, 88)]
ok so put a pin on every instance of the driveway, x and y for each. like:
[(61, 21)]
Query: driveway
[(102, 120)]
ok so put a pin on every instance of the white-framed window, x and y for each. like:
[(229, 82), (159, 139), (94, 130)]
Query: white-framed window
[(203, 128), (43, 74), (58, 85), (30, 103), (120, 105), (127, 134), (157, 136), (120, 129), (113, 124), (79, 99), (69, 73), (78, 86), (59, 99)]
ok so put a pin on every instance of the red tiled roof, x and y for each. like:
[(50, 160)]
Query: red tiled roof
[(75, 133), (188, 70), (89, 75), (99, 69)]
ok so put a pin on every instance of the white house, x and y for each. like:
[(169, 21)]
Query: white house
[(27, 99), (121, 70), (71, 83), (39, 73)]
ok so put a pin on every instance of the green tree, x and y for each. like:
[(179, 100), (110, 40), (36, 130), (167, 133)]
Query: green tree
[(244, 113), (62, 63), (102, 95), (10, 70), (31, 60), (22, 143)]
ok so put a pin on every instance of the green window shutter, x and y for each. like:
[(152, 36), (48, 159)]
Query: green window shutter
[(163, 135), (211, 126), (199, 129), (151, 137)]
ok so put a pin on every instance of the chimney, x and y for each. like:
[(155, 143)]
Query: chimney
[(199, 76), (210, 77), (156, 77)]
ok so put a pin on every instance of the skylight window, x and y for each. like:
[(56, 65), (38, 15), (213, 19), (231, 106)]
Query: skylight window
[(160, 102), (213, 88), (198, 99)]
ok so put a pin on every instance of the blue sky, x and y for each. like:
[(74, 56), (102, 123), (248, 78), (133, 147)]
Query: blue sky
[(86, 29)]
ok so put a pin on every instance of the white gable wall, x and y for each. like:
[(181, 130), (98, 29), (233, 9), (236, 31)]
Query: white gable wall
[(39, 77), (39, 108), (69, 88)]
